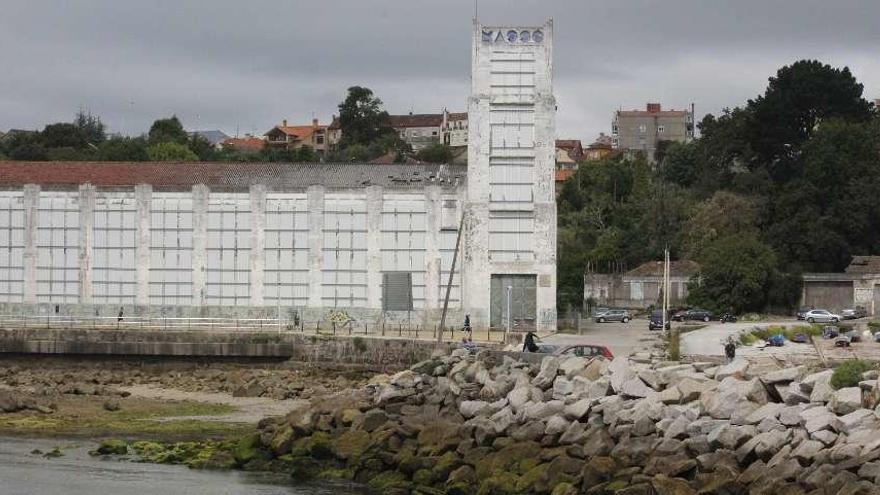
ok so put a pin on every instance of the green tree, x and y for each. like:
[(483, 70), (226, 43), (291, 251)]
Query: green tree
[(361, 118), (724, 214), (736, 273), (123, 149), (168, 130), (62, 135), (90, 127), (202, 148), (800, 98), (171, 152), (435, 153)]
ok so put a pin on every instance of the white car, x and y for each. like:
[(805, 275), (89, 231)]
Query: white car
[(821, 315)]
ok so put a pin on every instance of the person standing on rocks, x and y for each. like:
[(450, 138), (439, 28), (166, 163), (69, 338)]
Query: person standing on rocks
[(529, 344), (730, 350)]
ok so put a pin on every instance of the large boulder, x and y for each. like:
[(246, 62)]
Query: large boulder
[(734, 399), (635, 387), (547, 374), (471, 408), (573, 366), (730, 437), (845, 400), (791, 393), (562, 387), (809, 381), (736, 368), (691, 389), (541, 410), (784, 375), (621, 372), (768, 410), (579, 409), (859, 419)]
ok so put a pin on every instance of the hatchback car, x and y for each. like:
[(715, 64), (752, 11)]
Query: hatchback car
[(584, 350), (821, 315), (656, 320), (620, 315)]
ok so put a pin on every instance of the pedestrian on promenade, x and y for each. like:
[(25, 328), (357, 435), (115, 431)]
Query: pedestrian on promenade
[(730, 350)]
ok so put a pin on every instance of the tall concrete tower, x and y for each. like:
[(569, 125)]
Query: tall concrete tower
[(509, 266)]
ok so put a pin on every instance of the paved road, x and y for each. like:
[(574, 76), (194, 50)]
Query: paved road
[(622, 338), (709, 341)]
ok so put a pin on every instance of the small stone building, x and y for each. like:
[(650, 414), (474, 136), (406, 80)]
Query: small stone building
[(640, 287)]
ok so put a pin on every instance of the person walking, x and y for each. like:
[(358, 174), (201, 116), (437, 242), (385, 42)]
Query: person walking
[(730, 350), (529, 344), (467, 324)]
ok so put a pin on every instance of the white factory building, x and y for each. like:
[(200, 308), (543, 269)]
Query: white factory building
[(252, 239)]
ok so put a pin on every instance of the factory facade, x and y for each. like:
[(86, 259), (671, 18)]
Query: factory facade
[(375, 242)]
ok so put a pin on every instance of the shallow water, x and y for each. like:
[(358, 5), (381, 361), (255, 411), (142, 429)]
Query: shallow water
[(78, 473)]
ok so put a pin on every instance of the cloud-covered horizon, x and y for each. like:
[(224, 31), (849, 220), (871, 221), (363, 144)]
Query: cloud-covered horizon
[(242, 67)]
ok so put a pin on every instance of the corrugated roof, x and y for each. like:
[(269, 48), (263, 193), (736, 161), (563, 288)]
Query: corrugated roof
[(417, 120), (227, 176), (655, 268), (864, 264)]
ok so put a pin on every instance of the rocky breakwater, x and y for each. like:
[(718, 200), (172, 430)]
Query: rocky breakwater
[(465, 425)]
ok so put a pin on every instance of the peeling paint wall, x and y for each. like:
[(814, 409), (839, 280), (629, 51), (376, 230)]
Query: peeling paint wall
[(510, 223)]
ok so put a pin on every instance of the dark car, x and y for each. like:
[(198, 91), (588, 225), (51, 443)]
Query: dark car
[(584, 350), (698, 315), (854, 336), (656, 321), (679, 315)]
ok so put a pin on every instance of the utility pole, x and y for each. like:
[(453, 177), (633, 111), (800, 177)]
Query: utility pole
[(449, 285)]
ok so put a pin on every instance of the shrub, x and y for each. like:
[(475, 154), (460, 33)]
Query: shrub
[(849, 373)]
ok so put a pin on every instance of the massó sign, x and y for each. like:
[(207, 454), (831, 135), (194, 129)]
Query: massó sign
[(513, 36)]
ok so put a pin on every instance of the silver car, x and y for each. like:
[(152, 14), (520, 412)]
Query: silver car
[(822, 316), (620, 315)]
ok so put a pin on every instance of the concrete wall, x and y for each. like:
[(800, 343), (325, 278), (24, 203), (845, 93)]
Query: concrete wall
[(382, 354), (624, 291), (510, 211), (203, 253)]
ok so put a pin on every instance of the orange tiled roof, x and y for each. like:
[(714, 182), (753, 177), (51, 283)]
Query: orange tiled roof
[(245, 144), (564, 174)]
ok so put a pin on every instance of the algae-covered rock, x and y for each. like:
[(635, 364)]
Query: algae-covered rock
[(246, 449), (564, 488), (389, 483), (54, 453), (318, 446), (282, 439), (220, 460), (515, 458), (501, 483), (351, 445), (112, 446), (301, 467), (461, 481)]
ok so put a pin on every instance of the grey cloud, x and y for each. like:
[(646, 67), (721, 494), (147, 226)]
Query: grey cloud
[(244, 66)]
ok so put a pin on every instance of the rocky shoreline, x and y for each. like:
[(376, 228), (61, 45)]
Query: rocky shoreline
[(485, 424)]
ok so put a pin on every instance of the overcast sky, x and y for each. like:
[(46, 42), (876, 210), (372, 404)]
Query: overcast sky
[(242, 66)]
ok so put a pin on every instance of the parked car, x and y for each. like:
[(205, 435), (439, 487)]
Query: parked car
[(877, 337), (777, 340), (861, 312), (584, 350), (802, 311), (848, 314), (727, 318), (620, 315), (679, 315), (656, 320), (854, 336), (601, 310), (842, 341), (697, 314), (821, 315)]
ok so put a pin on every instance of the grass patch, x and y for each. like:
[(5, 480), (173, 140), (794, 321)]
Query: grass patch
[(138, 418), (849, 373), (764, 333)]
